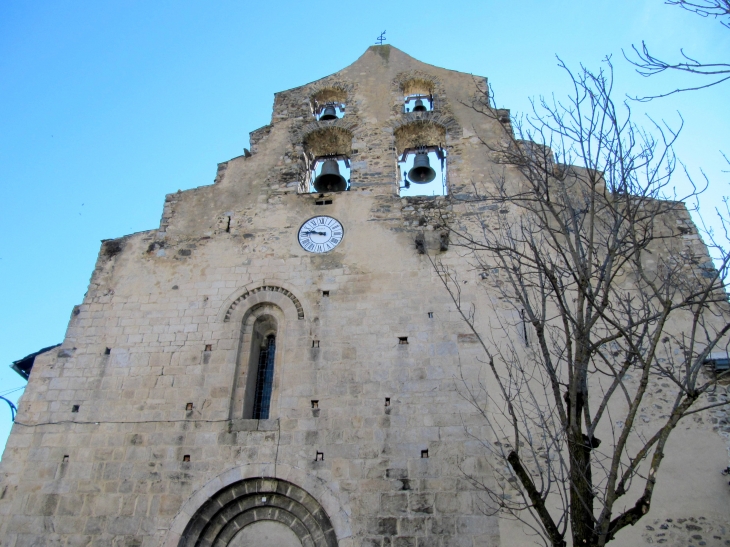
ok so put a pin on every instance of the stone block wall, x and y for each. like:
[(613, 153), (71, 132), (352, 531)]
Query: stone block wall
[(129, 435)]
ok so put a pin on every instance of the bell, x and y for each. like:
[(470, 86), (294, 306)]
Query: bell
[(329, 113), (419, 106), (421, 173), (329, 179)]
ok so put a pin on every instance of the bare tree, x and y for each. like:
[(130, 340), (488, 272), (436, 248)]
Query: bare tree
[(597, 300), (648, 65)]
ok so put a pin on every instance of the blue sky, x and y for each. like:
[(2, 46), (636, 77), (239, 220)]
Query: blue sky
[(107, 106)]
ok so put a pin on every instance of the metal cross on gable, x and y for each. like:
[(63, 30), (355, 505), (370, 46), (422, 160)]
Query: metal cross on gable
[(380, 39)]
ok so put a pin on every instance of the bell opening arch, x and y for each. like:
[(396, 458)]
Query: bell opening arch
[(421, 160)]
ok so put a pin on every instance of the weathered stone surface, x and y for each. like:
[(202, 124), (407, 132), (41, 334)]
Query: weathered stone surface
[(169, 320)]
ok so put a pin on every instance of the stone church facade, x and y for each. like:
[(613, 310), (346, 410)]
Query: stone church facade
[(274, 366)]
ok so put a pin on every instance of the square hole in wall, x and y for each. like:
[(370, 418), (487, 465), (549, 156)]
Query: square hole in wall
[(107, 351), (325, 293), (387, 401), (430, 315), (319, 457), (208, 347), (189, 406), (402, 340), (424, 453), (315, 343), (65, 458), (186, 458), (75, 408), (315, 403), (323, 202)]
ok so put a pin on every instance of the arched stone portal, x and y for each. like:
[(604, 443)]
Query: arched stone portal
[(258, 511)]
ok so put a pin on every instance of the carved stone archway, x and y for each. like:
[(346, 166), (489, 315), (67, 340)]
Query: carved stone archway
[(238, 505)]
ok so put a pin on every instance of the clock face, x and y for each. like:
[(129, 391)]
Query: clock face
[(320, 234)]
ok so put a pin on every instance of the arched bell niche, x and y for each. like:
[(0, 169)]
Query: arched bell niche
[(417, 133), (418, 95), (327, 150), (419, 145), (334, 97), (260, 511)]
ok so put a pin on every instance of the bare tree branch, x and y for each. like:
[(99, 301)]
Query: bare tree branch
[(596, 299), (648, 64)]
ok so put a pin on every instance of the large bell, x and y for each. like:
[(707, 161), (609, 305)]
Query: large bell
[(329, 113), (421, 173), (419, 106), (329, 179)]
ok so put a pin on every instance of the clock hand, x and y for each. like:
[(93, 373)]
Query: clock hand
[(313, 232)]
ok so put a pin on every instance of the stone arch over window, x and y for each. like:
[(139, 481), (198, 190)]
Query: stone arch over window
[(259, 362), (248, 507), (258, 294)]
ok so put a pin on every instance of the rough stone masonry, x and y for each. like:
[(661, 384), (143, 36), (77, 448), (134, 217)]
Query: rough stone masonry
[(142, 428)]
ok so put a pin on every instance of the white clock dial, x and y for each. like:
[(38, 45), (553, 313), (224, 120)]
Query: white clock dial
[(320, 234)]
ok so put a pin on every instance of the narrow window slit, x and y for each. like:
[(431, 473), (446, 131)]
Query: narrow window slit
[(315, 343), (264, 379), (430, 315), (323, 202)]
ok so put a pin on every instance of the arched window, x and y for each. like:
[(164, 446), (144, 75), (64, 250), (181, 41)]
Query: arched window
[(255, 383), (264, 379)]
